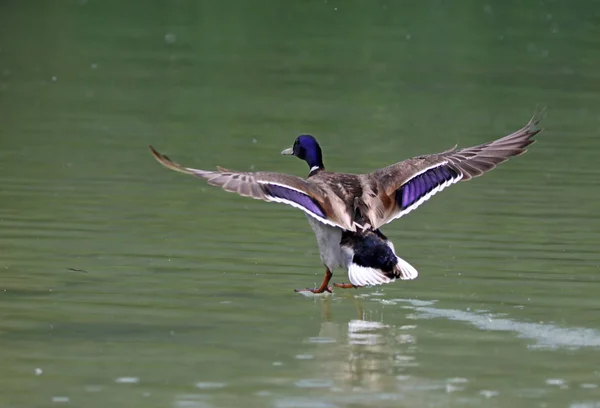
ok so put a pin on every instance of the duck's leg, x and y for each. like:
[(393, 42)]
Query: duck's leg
[(346, 286), (324, 285)]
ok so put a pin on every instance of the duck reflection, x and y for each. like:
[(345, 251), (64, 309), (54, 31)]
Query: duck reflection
[(362, 351)]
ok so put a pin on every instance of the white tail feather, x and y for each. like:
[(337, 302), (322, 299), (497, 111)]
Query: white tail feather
[(365, 276), (407, 271)]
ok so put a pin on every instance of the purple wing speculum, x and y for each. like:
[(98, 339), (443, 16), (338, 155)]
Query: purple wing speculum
[(418, 189), (282, 193)]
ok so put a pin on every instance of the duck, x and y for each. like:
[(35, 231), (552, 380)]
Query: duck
[(346, 211)]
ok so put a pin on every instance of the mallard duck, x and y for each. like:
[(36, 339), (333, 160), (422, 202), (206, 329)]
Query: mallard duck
[(346, 211)]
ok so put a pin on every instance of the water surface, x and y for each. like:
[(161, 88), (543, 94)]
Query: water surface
[(125, 284)]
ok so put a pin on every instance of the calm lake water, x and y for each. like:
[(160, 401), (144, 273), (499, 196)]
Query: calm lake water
[(124, 284)]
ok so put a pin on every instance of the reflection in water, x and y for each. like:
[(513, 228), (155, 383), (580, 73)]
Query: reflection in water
[(192, 401), (365, 357), (546, 335), (369, 359)]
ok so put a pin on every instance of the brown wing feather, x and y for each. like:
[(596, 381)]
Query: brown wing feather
[(374, 195), (470, 162), (467, 162), (474, 161), (251, 184)]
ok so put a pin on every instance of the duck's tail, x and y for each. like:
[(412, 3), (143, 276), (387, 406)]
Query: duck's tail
[(373, 260), (404, 270)]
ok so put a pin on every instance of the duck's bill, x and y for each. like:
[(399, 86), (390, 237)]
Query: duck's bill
[(288, 152)]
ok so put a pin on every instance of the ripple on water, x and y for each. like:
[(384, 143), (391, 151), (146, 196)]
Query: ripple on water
[(555, 381), (192, 401), (546, 335), (321, 340), (453, 388), (295, 402), (585, 404), (127, 380), (365, 325), (401, 358), (364, 339), (314, 383), (208, 385), (60, 400), (489, 393), (406, 339), (531, 392), (457, 380)]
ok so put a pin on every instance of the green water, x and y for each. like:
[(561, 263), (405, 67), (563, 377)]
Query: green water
[(124, 284)]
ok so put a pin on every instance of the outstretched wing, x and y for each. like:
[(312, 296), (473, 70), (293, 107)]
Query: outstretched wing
[(267, 186), (404, 186)]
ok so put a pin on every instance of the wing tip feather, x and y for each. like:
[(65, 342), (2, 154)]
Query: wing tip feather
[(168, 163)]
